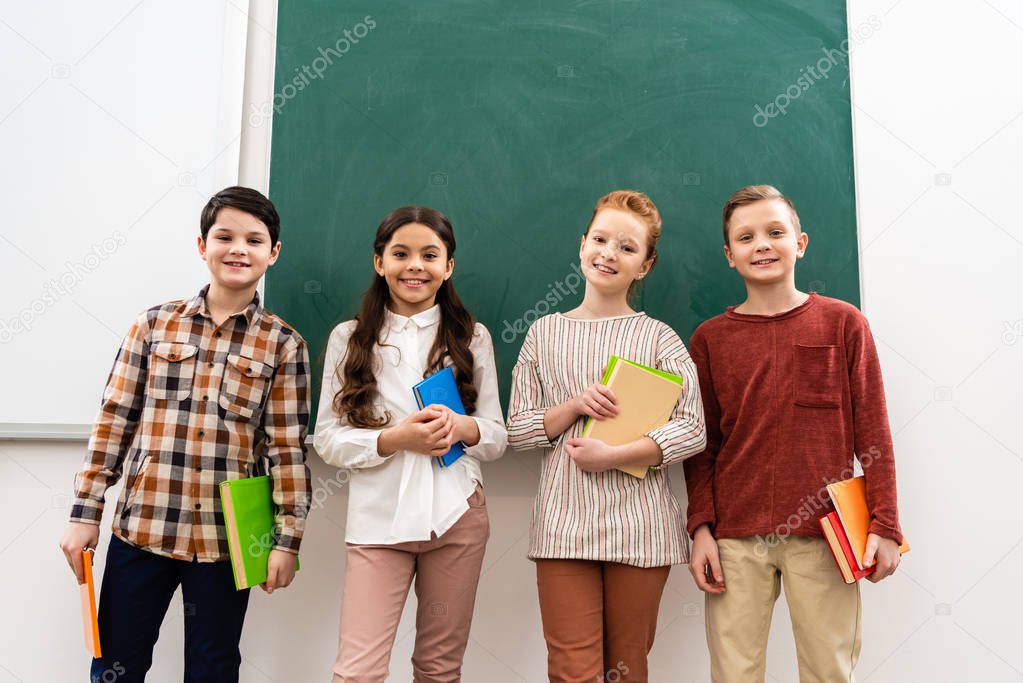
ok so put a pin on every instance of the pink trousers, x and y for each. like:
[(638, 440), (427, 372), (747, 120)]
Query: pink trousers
[(446, 571)]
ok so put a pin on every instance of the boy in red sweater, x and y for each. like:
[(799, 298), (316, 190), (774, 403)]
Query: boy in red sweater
[(792, 391)]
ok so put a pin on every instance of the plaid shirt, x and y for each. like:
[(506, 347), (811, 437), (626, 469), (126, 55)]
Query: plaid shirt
[(187, 406)]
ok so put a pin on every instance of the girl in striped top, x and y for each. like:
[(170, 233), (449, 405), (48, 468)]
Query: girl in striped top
[(603, 541)]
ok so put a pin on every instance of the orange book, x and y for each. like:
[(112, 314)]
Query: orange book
[(87, 590), (850, 500)]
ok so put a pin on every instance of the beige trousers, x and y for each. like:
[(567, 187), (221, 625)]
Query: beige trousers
[(446, 571), (825, 611)]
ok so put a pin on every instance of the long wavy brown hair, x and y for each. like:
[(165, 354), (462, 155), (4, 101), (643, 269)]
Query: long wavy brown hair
[(354, 403)]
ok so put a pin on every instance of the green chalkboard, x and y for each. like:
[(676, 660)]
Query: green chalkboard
[(513, 118)]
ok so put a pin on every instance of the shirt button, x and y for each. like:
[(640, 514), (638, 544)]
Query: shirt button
[(198, 506), (205, 398), (216, 334), (211, 364), (198, 468), (202, 433)]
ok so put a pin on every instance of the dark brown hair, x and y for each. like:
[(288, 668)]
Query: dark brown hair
[(356, 373), (751, 194), (244, 199)]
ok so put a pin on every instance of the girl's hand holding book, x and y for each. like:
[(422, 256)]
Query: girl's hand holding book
[(590, 455), (465, 428), (429, 431), (598, 402)]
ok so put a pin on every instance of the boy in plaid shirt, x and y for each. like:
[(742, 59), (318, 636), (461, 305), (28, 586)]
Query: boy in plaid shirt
[(201, 390)]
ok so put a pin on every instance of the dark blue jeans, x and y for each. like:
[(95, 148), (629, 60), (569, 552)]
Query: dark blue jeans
[(137, 588)]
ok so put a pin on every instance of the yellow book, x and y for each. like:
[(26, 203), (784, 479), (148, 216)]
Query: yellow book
[(646, 400)]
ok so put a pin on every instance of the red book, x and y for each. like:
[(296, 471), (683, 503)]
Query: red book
[(841, 549)]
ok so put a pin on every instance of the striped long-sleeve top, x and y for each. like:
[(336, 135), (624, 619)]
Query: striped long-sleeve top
[(608, 516)]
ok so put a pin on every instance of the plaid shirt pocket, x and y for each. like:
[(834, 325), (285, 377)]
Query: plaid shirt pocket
[(244, 386), (171, 369)]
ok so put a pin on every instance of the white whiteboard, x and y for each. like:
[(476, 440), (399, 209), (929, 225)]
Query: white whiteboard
[(113, 139)]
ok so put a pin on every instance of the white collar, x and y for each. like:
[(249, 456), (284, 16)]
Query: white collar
[(423, 319)]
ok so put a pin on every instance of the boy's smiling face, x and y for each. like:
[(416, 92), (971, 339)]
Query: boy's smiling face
[(237, 249), (764, 242)]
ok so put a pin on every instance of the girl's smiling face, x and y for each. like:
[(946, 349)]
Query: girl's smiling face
[(415, 264), (614, 251)]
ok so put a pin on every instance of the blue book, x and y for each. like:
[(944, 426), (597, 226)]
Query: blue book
[(441, 388)]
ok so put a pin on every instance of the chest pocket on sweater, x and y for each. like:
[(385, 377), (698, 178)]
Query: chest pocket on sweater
[(819, 375), (171, 369), (245, 385)]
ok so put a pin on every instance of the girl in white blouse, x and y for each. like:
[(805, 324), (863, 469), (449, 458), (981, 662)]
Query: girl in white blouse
[(407, 517)]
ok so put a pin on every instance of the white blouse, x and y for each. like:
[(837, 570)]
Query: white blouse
[(406, 496)]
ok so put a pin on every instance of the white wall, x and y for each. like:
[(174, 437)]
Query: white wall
[(118, 120), (936, 92)]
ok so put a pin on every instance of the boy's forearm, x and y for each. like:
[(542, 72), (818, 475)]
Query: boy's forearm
[(114, 429), (285, 422), (112, 435), (872, 437), (699, 474), (292, 494)]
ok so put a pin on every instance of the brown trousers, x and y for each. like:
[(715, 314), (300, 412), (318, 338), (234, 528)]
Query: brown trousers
[(599, 619), (377, 580)]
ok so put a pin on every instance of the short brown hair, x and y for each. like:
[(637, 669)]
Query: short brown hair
[(252, 202), (749, 195), (640, 206)]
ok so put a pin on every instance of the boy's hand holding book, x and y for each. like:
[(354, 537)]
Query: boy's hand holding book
[(280, 570), (77, 537), (882, 554)]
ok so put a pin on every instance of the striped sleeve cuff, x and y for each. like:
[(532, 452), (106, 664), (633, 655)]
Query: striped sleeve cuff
[(526, 431)]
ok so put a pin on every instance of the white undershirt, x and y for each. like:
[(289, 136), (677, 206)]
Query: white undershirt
[(406, 496)]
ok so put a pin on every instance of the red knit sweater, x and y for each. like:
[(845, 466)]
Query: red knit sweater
[(788, 400)]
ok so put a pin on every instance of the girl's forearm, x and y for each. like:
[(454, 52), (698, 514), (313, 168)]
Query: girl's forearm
[(559, 418), (466, 430), (643, 452)]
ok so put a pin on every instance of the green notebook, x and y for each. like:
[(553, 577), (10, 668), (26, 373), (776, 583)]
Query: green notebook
[(249, 518), (615, 359)]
